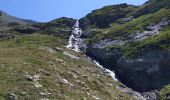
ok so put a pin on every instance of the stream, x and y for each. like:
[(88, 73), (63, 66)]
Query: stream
[(74, 43)]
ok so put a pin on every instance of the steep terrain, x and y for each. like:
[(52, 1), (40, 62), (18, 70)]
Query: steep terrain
[(36, 65), (132, 41), (135, 45)]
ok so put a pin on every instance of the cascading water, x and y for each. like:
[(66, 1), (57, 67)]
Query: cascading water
[(75, 42)]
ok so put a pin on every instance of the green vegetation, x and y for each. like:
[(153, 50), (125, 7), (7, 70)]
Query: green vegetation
[(160, 41), (129, 28), (103, 17), (164, 93), (137, 28), (59, 76)]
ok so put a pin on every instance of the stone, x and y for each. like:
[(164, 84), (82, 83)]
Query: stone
[(11, 96), (70, 55), (29, 77), (58, 49), (85, 76)]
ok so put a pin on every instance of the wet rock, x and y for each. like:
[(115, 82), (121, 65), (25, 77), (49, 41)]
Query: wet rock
[(134, 94), (105, 56), (151, 95)]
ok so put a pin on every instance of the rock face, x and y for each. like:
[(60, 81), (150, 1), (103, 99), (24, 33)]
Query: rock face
[(146, 73), (137, 49), (105, 56)]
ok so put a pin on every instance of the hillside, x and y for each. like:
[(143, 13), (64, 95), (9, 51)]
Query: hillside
[(132, 41), (36, 65), (135, 45), (7, 19)]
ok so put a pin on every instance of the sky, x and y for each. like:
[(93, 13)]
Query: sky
[(46, 10)]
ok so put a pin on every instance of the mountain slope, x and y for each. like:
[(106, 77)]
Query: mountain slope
[(36, 65), (7, 19), (135, 46), (101, 18)]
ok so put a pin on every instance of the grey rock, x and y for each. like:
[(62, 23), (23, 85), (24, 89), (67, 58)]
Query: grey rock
[(128, 19), (70, 55), (11, 96), (134, 94), (147, 72), (108, 42), (151, 30)]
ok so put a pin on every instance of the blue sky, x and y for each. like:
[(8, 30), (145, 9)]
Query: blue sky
[(46, 10)]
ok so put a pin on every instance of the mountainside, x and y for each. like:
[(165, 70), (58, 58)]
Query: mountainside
[(132, 41), (7, 19), (102, 18), (136, 45), (36, 65)]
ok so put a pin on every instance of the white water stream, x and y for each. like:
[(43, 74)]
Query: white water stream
[(74, 40), (74, 44)]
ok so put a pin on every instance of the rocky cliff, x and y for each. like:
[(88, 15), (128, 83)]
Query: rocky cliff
[(135, 46)]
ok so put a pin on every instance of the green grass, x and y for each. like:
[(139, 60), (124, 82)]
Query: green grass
[(160, 41), (122, 31), (16, 61)]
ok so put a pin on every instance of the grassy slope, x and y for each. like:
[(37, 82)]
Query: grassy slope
[(124, 30), (102, 18), (29, 58)]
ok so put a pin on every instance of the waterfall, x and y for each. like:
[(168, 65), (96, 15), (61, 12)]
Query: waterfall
[(74, 44), (111, 73), (74, 40)]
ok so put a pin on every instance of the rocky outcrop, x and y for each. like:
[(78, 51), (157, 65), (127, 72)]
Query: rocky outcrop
[(148, 72), (106, 57), (150, 31), (103, 17), (151, 6)]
